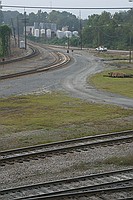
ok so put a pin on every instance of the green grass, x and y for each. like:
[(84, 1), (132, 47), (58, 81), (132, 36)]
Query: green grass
[(122, 86), (115, 56), (51, 111)]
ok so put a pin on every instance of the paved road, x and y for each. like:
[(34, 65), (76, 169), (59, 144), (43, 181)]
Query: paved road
[(71, 79)]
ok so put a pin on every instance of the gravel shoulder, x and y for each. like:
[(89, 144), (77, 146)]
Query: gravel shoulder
[(64, 166)]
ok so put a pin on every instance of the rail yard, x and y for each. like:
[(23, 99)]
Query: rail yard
[(69, 169)]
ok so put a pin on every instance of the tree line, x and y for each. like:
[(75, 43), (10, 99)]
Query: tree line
[(115, 31)]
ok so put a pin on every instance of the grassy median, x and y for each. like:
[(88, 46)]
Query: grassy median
[(56, 117), (122, 86)]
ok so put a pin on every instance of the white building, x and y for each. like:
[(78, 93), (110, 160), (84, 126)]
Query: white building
[(68, 34)]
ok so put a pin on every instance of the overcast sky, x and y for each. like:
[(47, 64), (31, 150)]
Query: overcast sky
[(69, 3)]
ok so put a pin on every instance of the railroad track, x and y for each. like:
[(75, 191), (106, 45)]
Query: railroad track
[(95, 185), (60, 60), (35, 52), (69, 146)]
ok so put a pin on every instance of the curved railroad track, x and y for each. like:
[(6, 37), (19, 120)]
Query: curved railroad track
[(34, 52), (69, 146), (84, 186), (59, 60)]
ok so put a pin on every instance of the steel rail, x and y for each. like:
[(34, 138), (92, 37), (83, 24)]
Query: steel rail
[(111, 142), (42, 151), (119, 177), (83, 191), (35, 52), (105, 185), (38, 70), (86, 193), (130, 198), (60, 60), (77, 140)]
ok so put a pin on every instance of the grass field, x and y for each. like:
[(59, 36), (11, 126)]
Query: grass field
[(58, 117), (123, 86)]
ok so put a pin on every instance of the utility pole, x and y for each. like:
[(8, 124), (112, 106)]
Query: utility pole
[(0, 5), (98, 37), (25, 30), (81, 34), (68, 42), (130, 51), (80, 27), (1, 15), (14, 34), (25, 21), (18, 32)]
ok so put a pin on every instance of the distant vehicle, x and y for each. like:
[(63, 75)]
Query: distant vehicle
[(101, 49)]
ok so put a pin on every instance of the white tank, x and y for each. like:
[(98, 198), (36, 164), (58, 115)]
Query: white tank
[(65, 28), (42, 32), (36, 34), (60, 34), (33, 31), (68, 34), (48, 33), (75, 33)]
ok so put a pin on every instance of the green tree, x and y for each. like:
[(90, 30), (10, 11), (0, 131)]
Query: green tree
[(64, 19), (39, 17), (114, 31), (5, 33)]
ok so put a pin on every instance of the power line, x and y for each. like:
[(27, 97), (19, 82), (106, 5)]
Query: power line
[(67, 8)]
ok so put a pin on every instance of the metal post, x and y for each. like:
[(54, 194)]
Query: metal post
[(68, 44), (25, 30), (80, 29), (98, 37), (0, 5), (80, 34), (130, 51), (14, 34), (18, 32)]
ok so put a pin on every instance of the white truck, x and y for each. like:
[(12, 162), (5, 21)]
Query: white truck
[(101, 49)]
